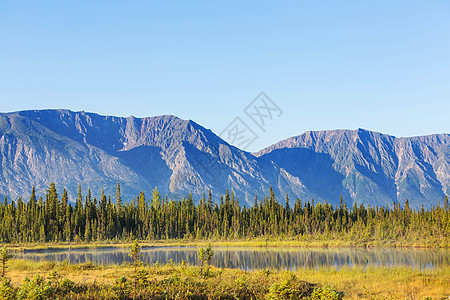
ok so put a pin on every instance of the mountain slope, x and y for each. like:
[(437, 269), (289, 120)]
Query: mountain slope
[(177, 156), (180, 156), (367, 167)]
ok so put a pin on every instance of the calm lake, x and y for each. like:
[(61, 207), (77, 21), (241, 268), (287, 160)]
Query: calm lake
[(258, 258)]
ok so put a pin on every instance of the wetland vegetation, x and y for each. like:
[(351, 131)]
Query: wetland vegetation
[(53, 224)]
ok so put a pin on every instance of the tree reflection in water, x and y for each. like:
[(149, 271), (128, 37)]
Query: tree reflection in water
[(257, 258)]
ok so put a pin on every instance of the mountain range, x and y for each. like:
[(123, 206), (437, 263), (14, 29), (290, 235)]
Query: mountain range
[(181, 157)]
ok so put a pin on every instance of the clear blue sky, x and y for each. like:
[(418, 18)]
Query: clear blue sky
[(377, 65)]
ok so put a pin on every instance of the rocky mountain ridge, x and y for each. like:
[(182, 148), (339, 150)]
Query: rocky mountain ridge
[(177, 156), (367, 167), (180, 156)]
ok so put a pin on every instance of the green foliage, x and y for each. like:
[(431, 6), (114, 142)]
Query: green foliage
[(7, 291), (326, 293), (141, 277), (122, 288), (208, 254), (135, 253), (205, 256), (5, 256), (53, 218), (208, 257), (37, 289), (171, 263), (290, 288), (66, 286), (54, 278), (201, 257)]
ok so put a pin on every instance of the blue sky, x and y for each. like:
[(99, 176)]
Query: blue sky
[(378, 65)]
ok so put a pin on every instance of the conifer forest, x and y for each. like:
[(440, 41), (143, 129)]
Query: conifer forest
[(53, 218)]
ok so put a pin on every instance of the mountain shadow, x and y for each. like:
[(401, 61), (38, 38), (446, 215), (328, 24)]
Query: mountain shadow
[(147, 161), (314, 169)]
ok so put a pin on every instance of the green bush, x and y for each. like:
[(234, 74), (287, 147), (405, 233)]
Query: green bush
[(122, 288), (7, 291), (326, 293), (141, 278), (290, 288), (37, 289), (54, 278), (66, 286)]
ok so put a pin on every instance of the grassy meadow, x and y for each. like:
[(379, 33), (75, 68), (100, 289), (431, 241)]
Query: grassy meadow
[(50, 280), (88, 281)]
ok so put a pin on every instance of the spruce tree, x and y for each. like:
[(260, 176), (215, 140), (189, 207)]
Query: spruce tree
[(5, 256)]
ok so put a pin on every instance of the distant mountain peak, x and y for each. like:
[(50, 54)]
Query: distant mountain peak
[(180, 156), (368, 167)]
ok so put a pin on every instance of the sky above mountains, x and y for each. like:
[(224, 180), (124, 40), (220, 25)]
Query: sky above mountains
[(324, 65)]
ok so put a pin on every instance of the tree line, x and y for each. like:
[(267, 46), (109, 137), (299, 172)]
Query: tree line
[(55, 219)]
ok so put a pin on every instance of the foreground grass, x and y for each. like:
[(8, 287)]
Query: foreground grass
[(88, 281)]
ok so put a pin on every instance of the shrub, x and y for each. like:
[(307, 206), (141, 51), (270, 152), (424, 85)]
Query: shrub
[(122, 288), (54, 278), (141, 278), (326, 293), (7, 292), (66, 286), (289, 288), (37, 289)]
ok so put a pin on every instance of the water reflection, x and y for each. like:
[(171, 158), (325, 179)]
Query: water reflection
[(257, 258)]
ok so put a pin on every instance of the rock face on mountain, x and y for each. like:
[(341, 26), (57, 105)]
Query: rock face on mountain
[(367, 167), (177, 156)]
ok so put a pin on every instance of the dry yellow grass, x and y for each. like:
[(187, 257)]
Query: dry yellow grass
[(384, 283), (356, 283)]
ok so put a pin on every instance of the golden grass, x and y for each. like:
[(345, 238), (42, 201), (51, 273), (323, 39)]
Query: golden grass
[(356, 283), (383, 283)]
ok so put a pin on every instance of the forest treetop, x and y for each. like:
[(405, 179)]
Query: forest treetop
[(54, 219)]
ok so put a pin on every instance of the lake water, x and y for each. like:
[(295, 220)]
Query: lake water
[(257, 258)]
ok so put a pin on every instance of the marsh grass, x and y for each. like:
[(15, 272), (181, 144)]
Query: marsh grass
[(384, 283), (185, 282)]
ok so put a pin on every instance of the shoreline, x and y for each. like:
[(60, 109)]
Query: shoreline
[(227, 243)]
